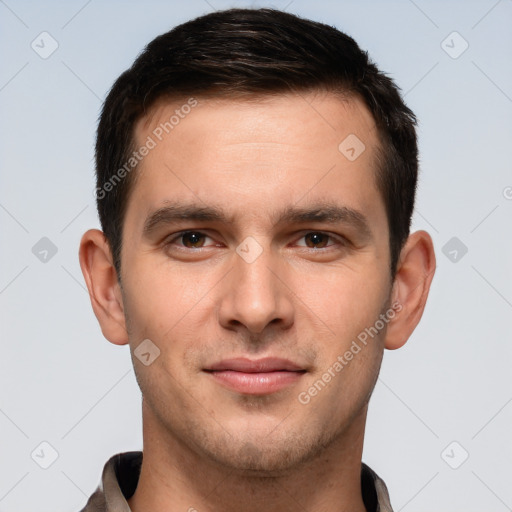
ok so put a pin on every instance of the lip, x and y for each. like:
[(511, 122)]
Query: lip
[(264, 365), (256, 377)]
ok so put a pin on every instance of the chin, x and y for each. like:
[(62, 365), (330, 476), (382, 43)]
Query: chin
[(265, 454)]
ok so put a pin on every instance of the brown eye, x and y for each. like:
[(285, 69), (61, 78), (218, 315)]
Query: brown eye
[(316, 240), (193, 239)]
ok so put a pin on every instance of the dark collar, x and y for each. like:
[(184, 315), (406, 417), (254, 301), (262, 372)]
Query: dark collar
[(121, 476)]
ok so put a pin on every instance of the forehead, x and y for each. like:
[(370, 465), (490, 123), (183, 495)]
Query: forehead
[(292, 118), (248, 155)]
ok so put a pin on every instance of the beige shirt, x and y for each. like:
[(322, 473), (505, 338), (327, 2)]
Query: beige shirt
[(121, 475)]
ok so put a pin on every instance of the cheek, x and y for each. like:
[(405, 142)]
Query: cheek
[(351, 354), (348, 367), (162, 297), (172, 311), (172, 328), (352, 301)]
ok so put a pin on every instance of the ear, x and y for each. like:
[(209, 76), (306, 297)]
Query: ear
[(414, 275), (104, 290)]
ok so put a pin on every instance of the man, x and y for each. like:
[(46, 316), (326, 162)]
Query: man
[(256, 177)]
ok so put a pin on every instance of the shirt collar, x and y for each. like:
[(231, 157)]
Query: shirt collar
[(121, 475)]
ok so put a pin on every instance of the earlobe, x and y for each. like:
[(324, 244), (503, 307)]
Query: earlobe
[(411, 287), (104, 290)]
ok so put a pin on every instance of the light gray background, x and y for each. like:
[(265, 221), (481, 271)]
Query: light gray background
[(63, 383)]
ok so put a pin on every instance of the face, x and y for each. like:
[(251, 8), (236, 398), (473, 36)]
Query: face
[(255, 254)]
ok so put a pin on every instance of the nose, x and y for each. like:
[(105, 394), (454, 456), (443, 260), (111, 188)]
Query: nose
[(255, 294)]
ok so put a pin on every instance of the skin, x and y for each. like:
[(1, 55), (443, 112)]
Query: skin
[(303, 298)]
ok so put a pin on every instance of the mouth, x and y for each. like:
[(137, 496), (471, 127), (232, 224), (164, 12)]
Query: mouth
[(256, 377)]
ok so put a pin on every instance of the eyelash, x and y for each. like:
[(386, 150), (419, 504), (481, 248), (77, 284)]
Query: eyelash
[(340, 240)]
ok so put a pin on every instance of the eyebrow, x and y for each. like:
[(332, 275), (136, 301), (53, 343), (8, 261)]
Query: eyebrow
[(172, 213)]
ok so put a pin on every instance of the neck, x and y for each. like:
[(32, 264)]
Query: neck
[(176, 478)]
